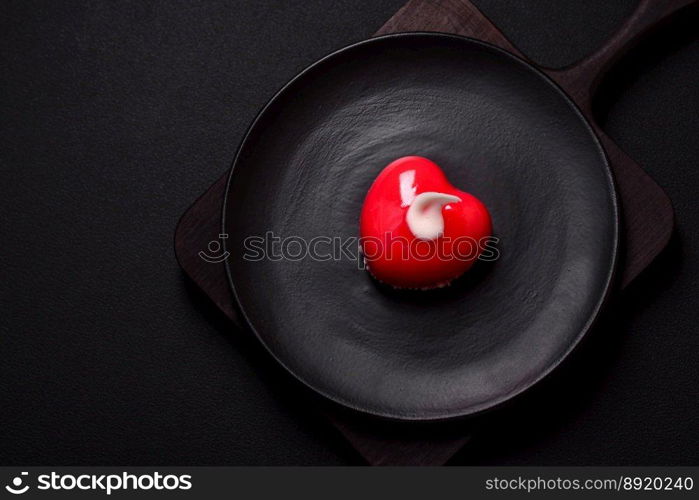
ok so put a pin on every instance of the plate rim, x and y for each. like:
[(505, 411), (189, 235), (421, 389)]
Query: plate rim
[(594, 316)]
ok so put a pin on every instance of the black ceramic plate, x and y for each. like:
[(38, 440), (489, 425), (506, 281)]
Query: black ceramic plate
[(500, 130)]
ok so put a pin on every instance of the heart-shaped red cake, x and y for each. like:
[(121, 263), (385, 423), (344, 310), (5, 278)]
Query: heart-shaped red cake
[(417, 230)]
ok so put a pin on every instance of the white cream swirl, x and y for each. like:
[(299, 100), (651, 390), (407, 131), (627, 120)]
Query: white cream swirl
[(424, 216)]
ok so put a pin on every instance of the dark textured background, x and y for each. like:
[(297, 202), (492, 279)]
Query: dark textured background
[(115, 116)]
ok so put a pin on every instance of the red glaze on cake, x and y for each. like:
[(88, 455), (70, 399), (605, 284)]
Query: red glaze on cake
[(417, 230)]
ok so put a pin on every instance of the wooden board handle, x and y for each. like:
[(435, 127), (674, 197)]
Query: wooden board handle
[(580, 80), (458, 17)]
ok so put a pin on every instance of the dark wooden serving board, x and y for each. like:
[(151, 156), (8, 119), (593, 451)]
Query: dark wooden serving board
[(647, 215)]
